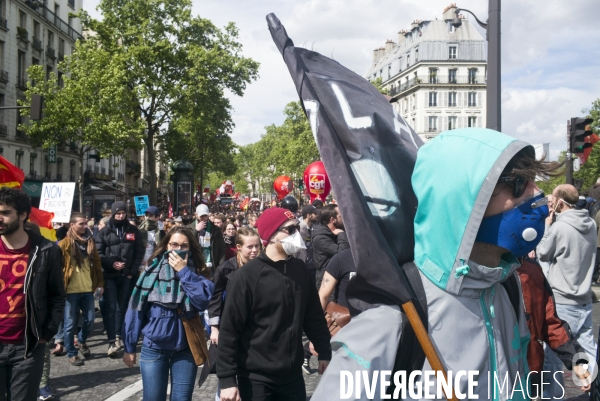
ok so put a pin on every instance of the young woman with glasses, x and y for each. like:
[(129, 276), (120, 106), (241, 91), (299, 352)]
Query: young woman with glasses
[(175, 281)]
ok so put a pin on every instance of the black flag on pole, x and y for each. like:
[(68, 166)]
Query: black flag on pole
[(369, 152)]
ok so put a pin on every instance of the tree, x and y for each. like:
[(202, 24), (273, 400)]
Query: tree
[(378, 83), (176, 64), (91, 108)]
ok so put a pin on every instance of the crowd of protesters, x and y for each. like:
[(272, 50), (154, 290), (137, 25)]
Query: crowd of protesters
[(222, 291)]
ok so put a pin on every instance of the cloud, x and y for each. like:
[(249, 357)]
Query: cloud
[(550, 56)]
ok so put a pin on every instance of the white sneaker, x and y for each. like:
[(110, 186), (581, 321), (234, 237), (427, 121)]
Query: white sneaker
[(112, 350), (119, 343)]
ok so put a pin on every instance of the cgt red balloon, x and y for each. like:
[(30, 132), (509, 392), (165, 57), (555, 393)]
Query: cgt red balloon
[(283, 185), (316, 181)]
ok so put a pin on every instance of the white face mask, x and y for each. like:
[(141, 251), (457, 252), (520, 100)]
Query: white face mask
[(293, 243)]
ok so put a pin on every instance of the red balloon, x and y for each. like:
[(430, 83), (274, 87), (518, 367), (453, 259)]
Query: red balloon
[(283, 185), (316, 181)]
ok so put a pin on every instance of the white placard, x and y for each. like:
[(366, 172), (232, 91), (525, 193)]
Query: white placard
[(57, 197)]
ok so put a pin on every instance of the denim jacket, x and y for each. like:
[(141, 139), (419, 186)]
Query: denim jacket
[(162, 327)]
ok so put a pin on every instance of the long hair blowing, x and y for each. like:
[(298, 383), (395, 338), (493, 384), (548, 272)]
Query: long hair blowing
[(195, 250)]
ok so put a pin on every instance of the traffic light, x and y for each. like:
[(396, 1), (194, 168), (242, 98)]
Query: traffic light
[(579, 130), (300, 184), (37, 104)]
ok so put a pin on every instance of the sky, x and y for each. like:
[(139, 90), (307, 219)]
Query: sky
[(550, 54)]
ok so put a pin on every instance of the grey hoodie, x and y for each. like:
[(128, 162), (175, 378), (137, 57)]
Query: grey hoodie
[(569, 246)]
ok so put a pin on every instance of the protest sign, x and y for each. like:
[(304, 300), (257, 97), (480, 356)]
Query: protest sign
[(141, 204), (57, 197)]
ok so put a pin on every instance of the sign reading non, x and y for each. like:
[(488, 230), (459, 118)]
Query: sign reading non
[(52, 154), (57, 197), (141, 204)]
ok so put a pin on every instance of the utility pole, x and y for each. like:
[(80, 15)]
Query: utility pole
[(494, 89), (569, 160)]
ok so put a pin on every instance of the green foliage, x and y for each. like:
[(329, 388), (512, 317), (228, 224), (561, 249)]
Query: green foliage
[(378, 83), (178, 66), (94, 108)]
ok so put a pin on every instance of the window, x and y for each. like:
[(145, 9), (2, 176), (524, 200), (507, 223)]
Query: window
[(22, 20), (408, 60), (60, 80), (452, 99), (433, 75), (432, 123), (18, 158), (472, 122), (61, 48), (472, 99), (416, 54), (1, 111), (50, 39), (452, 52), (21, 65), (452, 76), (72, 171), (31, 164), (36, 29), (450, 27), (390, 70), (70, 22), (452, 122), (381, 73), (472, 75), (2, 55), (48, 72), (35, 61), (432, 99), (399, 63), (414, 101), (2, 8)]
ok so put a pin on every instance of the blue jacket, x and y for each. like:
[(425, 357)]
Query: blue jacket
[(162, 327)]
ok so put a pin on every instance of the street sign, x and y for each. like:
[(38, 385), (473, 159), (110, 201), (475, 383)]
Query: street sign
[(52, 154), (57, 197), (141, 204)]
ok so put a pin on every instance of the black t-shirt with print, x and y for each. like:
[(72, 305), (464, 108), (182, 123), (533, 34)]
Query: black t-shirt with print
[(342, 268)]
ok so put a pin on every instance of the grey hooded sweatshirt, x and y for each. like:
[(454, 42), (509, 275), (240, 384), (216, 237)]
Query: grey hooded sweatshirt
[(569, 246)]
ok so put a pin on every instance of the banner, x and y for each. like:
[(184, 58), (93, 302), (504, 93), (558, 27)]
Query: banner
[(369, 152), (10, 175), (57, 197), (141, 204)]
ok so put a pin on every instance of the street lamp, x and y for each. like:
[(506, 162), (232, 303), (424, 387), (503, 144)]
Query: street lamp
[(492, 28)]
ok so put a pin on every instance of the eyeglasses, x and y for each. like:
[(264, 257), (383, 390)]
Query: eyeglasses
[(518, 184), (291, 229), (175, 245)]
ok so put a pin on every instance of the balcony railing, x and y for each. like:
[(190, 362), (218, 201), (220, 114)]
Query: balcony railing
[(3, 130), (37, 43), (436, 80), (20, 135), (50, 52), (22, 83), (3, 23), (3, 76), (55, 20), (33, 174), (22, 33), (432, 129), (472, 104), (61, 56)]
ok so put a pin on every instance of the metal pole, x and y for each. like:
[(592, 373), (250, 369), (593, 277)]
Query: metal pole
[(569, 161), (494, 101)]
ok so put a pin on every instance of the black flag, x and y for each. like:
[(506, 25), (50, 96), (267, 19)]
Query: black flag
[(369, 152)]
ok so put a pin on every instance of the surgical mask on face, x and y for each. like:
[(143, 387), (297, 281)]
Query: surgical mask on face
[(519, 229), (555, 208), (292, 244)]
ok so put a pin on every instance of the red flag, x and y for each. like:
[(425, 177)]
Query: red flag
[(586, 152), (10, 175), (170, 210)]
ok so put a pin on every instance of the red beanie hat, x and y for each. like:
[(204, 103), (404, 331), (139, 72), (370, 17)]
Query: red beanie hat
[(268, 222)]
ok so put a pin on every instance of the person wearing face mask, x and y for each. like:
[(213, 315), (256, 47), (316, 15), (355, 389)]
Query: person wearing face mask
[(569, 246), (269, 303), (155, 309)]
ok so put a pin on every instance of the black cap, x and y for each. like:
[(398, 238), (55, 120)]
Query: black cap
[(118, 206), (308, 209)]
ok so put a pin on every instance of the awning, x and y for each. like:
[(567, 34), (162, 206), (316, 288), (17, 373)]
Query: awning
[(33, 188)]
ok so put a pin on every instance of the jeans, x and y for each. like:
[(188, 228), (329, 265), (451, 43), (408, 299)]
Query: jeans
[(83, 301), (155, 365), (60, 334), (20, 377), (579, 318), (114, 305)]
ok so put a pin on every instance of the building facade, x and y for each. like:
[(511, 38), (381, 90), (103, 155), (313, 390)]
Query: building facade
[(435, 74)]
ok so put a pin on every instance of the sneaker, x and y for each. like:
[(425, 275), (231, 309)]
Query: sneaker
[(119, 343), (84, 349), (75, 361), (112, 350), (59, 350), (45, 394), (306, 366)]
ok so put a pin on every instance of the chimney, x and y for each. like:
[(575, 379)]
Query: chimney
[(375, 55), (449, 12), (414, 24), (401, 38), (389, 45)]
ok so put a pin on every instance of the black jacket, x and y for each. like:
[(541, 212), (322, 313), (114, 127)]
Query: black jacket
[(325, 244), (45, 291), (217, 244), (221, 277), (120, 246), (268, 306)]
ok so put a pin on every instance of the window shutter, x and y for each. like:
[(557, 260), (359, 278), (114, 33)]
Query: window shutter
[(478, 122), (426, 124), (445, 104), (427, 94), (458, 99), (444, 122), (479, 99), (459, 122)]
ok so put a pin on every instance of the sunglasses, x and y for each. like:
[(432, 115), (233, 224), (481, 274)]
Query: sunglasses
[(291, 230), (518, 184)]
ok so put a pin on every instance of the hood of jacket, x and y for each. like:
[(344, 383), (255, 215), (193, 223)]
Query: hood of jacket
[(578, 219), (453, 180), (320, 229)]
